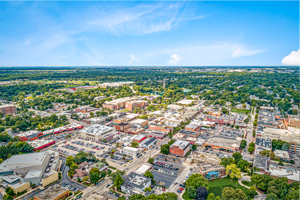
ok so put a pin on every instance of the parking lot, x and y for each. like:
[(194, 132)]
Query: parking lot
[(74, 146)]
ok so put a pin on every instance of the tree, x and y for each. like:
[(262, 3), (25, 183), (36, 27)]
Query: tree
[(250, 150), (201, 193), (149, 174), (295, 112), (225, 161), (151, 160), (291, 161), (243, 164), (196, 180), (237, 156), (94, 175), (74, 166), (165, 149), (102, 174), (191, 192), (211, 196), (243, 144), (252, 191), (134, 144), (293, 194), (194, 147), (116, 173), (285, 146), (147, 189), (228, 193), (261, 181), (92, 114), (271, 196), (233, 171), (119, 181), (280, 163)]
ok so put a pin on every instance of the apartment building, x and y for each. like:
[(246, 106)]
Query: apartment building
[(133, 104), (8, 109), (118, 103), (294, 120)]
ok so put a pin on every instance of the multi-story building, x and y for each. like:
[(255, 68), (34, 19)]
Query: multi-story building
[(85, 109), (36, 168), (267, 119), (179, 148), (211, 171), (118, 103), (294, 120), (220, 119), (131, 151), (267, 108), (123, 127), (139, 138), (133, 104), (139, 123), (262, 144), (8, 109), (223, 144), (96, 132), (146, 144), (135, 182), (291, 136)]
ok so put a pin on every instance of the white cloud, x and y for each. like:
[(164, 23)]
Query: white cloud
[(242, 51), (174, 58), (133, 59), (139, 20), (293, 59)]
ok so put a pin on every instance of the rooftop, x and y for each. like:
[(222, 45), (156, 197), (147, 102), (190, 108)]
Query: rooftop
[(180, 144), (51, 193), (97, 129), (261, 161)]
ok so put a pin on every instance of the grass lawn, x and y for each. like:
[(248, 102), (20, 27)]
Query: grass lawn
[(216, 186), (249, 184), (240, 111)]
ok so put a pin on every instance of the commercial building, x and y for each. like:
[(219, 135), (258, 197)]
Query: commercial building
[(267, 108), (94, 120), (193, 127), (211, 171), (139, 138), (283, 155), (41, 143), (52, 193), (220, 119), (291, 136), (159, 128), (8, 109), (96, 132), (146, 144), (267, 119), (142, 170), (262, 144), (36, 168), (123, 127), (262, 163), (133, 104), (185, 102), (130, 151), (135, 182), (85, 109), (179, 148), (30, 135), (223, 144), (139, 123)]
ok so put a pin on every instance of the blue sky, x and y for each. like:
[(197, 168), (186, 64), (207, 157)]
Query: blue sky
[(145, 33)]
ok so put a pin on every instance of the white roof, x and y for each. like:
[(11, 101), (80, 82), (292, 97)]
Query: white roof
[(131, 148), (186, 101), (145, 167), (138, 121), (97, 129)]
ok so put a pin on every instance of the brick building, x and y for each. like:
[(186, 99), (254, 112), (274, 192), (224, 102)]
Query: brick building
[(294, 120), (122, 127), (179, 148), (8, 109), (133, 104)]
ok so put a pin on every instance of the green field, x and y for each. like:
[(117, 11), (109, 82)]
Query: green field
[(240, 111), (216, 186)]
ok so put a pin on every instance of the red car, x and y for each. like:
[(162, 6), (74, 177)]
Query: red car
[(181, 189)]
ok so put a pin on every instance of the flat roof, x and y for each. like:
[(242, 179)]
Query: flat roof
[(180, 143), (51, 193), (131, 148), (97, 129), (186, 101)]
